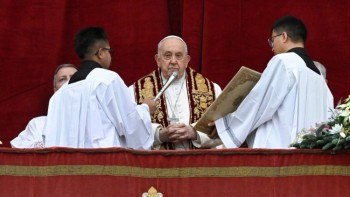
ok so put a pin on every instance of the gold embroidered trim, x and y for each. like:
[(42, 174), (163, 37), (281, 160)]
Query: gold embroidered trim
[(98, 170), (199, 87)]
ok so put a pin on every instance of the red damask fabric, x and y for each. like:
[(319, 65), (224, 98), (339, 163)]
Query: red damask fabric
[(222, 36)]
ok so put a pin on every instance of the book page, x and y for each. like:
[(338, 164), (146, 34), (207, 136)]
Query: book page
[(230, 98)]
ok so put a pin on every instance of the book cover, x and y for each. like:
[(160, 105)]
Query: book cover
[(230, 98)]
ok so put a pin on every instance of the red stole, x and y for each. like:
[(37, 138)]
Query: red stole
[(200, 89)]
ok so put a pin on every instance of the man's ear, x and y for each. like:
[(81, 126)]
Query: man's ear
[(188, 59), (285, 36), (157, 59), (99, 54)]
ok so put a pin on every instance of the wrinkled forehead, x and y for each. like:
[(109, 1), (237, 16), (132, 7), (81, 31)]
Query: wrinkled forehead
[(66, 71)]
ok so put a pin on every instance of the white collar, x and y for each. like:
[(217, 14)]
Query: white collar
[(176, 82)]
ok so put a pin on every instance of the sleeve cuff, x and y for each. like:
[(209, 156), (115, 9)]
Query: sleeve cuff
[(145, 106), (157, 142)]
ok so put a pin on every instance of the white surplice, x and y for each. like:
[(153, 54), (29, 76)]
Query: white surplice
[(31, 136), (177, 93), (97, 112), (288, 97)]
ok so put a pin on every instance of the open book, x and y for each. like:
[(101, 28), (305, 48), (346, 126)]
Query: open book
[(230, 98)]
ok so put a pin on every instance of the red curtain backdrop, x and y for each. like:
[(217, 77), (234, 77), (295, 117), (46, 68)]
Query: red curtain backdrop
[(37, 35)]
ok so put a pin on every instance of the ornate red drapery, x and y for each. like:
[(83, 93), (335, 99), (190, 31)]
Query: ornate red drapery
[(124, 172)]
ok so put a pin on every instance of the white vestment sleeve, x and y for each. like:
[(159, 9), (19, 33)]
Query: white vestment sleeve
[(97, 112), (157, 142), (155, 126), (131, 121), (288, 97), (31, 136), (312, 89), (258, 107)]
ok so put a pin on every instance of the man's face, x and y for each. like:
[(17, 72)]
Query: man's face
[(276, 42), (105, 55), (62, 76), (172, 57)]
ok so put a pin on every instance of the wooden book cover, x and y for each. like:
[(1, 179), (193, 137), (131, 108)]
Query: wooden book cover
[(230, 98)]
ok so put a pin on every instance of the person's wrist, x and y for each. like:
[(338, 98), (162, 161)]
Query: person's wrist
[(162, 138), (193, 134)]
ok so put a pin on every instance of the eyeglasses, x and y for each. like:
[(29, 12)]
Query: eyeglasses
[(110, 50), (270, 40), (169, 56)]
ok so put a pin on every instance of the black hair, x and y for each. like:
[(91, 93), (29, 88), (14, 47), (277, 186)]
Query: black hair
[(86, 39), (294, 27)]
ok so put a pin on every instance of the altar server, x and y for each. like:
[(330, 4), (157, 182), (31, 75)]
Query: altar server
[(290, 95), (95, 109)]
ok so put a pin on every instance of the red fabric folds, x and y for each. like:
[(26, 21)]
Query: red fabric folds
[(222, 36), (123, 172)]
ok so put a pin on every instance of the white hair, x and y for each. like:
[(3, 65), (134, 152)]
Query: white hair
[(172, 36), (59, 68), (321, 68)]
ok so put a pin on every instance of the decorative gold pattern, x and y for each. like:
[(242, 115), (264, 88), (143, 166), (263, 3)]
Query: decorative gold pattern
[(230, 98), (152, 192), (147, 88), (234, 171), (200, 88), (147, 91), (200, 81), (203, 94)]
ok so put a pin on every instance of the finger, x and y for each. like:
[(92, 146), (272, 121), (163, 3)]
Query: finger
[(213, 134), (173, 136), (210, 124)]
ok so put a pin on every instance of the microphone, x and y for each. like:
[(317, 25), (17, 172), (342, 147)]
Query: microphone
[(167, 84)]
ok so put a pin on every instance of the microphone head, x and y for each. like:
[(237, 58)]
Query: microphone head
[(175, 73)]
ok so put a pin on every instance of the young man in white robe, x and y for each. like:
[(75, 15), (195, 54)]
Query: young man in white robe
[(290, 95), (95, 108), (182, 103), (32, 135)]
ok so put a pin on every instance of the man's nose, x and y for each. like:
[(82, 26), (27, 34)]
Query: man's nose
[(173, 59)]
